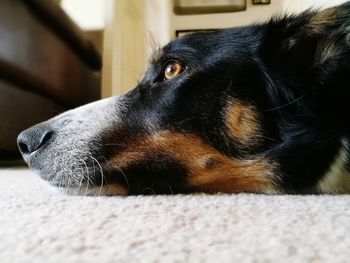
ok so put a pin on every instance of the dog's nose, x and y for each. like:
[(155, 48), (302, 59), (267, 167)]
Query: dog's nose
[(33, 138)]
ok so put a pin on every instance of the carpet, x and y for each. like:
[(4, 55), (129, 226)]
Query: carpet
[(39, 224)]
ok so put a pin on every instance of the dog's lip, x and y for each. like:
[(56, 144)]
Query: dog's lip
[(108, 189), (50, 176), (28, 155), (30, 158), (57, 183), (33, 161), (27, 158)]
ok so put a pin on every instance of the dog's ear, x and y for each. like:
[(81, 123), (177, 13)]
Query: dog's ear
[(301, 42), (312, 51)]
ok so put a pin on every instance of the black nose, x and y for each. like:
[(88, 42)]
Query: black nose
[(33, 138)]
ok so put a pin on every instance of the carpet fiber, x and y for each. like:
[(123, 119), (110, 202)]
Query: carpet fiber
[(38, 224)]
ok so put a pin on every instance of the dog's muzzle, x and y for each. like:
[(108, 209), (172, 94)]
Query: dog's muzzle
[(66, 151)]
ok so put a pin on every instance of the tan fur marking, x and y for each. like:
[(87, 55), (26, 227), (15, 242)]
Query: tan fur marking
[(223, 174), (242, 122), (320, 21)]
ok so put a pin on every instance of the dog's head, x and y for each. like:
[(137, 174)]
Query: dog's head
[(206, 116)]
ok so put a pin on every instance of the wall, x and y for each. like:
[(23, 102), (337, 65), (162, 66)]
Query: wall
[(125, 46), (253, 13), (88, 14)]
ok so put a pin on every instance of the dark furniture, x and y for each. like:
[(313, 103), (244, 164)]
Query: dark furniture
[(47, 65)]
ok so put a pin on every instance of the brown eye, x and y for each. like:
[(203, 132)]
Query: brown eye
[(172, 69)]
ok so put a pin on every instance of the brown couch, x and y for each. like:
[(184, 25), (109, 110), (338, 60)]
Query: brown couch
[(47, 65)]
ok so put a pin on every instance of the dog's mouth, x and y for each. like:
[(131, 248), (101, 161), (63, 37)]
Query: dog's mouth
[(85, 190), (78, 176), (83, 180)]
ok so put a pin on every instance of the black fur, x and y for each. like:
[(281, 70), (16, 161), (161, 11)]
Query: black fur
[(278, 66)]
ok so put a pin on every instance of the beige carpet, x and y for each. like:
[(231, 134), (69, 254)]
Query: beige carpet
[(38, 224)]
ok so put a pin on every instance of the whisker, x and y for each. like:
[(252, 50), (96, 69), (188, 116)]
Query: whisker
[(87, 175), (287, 104), (126, 178), (87, 186), (112, 144), (171, 190), (148, 188), (56, 111), (101, 171), (80, 183)]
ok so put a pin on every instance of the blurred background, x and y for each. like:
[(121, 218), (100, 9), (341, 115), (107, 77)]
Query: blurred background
[(59, 54)]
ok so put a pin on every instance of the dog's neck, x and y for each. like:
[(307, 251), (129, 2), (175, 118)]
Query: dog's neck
[(337, 179)]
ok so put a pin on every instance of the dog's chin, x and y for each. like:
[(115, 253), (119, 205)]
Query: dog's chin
[(85, 190), (64, 185), (106, 190)]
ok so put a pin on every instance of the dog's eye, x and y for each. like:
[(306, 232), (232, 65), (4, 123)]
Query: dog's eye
[(173, 69)]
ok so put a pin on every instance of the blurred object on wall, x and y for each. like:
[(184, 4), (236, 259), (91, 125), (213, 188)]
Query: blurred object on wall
[(195, 7)]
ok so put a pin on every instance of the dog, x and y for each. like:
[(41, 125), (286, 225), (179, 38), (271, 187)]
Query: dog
[(259, 109)]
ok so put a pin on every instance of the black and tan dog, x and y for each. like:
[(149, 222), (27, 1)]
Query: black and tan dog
[(262, 109)]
